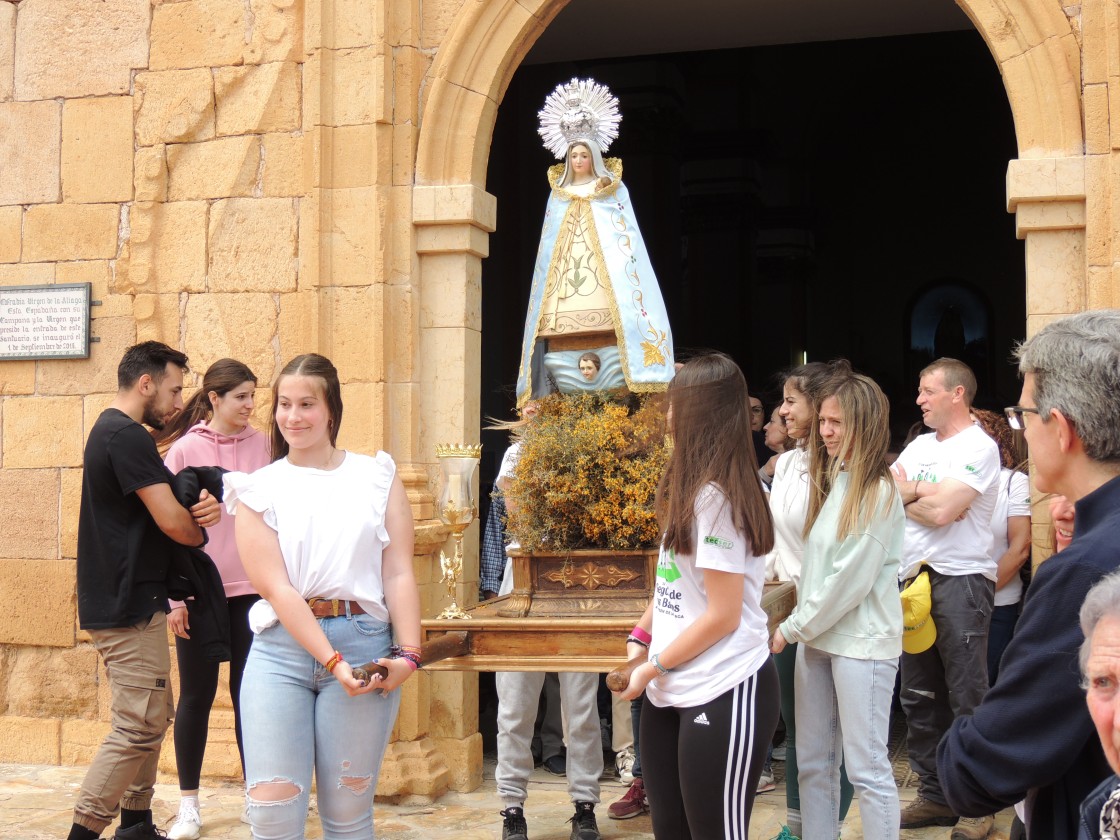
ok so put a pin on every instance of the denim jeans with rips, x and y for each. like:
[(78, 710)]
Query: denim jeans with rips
[(295, 714)]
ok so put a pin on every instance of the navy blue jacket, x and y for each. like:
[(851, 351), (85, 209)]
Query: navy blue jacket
[(1032, 736), (1092, 807)]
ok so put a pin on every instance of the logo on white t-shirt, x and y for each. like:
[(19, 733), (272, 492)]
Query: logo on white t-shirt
[(701, 719), (719, 542), (667, 569)]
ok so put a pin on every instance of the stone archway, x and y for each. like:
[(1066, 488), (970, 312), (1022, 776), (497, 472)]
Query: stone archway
[(1058, 187), (1032, 41)]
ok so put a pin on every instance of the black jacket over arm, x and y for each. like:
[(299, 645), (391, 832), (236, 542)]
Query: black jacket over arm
[(193, 577)]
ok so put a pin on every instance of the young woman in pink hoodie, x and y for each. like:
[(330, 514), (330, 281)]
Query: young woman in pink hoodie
[(213, 430)]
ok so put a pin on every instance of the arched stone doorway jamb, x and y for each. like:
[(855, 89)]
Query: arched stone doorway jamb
[(1041, 64)]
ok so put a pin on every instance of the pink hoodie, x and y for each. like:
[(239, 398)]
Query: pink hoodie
[(201, 446)]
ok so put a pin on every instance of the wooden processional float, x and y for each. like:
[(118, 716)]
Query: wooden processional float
[(596, 322), (567, 612)]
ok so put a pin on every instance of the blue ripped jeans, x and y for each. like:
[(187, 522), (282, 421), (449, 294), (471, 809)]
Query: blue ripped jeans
[(295, 714)]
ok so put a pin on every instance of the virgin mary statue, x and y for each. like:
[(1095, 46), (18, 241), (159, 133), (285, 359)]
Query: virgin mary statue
[(594, 293)]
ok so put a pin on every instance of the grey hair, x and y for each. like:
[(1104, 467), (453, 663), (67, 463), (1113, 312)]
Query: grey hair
[(1076, 367), (1103, 601)]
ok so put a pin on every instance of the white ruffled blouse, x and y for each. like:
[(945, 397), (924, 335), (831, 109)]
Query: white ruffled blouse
[(330, 524)]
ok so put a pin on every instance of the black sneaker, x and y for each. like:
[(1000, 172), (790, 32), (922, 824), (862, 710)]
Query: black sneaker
[(514, 826), (583, 822), (140, 831)]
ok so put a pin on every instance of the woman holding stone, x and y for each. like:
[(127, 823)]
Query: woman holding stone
[(326, 536)]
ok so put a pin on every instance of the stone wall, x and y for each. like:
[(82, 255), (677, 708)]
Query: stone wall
[(233, 177)]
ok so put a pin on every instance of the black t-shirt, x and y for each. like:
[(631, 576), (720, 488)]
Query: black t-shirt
[(123, 556)]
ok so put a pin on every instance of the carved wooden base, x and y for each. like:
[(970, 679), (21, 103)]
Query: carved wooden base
[(593, 640), (580, 583)]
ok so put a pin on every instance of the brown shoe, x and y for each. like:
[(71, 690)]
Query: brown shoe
[(921, 812), (972, 828)]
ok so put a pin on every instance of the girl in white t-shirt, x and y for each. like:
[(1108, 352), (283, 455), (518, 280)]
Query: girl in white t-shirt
[(711, 690), (326, 537)]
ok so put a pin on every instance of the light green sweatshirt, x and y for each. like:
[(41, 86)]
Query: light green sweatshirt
[(848, 602)]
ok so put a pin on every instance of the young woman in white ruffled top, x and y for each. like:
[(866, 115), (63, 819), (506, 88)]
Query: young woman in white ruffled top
[(326, 536)]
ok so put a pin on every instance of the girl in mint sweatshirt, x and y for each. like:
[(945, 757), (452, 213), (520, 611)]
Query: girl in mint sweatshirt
[(848, 619)]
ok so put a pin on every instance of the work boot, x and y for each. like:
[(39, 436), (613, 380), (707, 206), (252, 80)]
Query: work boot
[(922, 812), (583, 822), (514, 826), (973, 828)]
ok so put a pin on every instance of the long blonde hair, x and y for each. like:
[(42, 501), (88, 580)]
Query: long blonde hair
[(862, 454)]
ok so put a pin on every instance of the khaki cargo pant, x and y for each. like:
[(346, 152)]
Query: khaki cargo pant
[(123, 772)]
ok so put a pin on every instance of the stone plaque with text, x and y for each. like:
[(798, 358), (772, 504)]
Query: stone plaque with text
[(45, 322)]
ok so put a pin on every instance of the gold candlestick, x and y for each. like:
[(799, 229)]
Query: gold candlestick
[(457, 509)]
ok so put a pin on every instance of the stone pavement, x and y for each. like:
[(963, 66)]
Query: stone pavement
[(36, 803)]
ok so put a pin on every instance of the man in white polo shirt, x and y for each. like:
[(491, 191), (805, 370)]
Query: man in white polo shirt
[(948, 480)]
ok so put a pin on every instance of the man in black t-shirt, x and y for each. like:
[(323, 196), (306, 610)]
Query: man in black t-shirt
[(127, 514)]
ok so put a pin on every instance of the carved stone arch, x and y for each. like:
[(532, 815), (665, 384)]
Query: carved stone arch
[(1031, 40), (1040, 61)]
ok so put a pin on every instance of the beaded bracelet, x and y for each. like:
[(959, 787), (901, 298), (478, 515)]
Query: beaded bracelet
[(332, 662), (636, 640), (409, 653), (661, 669)]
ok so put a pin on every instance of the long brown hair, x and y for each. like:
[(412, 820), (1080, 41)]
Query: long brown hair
[(711, 429), (862, 454), (1010, 443), (221, 378), (309, 364)]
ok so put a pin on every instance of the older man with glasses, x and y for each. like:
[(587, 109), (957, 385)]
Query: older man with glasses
[(1031, 740)]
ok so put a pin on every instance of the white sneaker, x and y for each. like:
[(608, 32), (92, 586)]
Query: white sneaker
[(188, 825), (624, 764)]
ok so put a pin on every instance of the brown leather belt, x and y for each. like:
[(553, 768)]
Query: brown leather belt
[(333, 608)]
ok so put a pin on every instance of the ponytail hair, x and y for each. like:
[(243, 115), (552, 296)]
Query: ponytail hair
[(220, 378)]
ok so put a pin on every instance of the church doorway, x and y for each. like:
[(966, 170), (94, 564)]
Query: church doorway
[(805, 192), (801, 187)]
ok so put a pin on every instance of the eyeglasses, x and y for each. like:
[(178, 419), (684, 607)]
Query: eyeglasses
[(1015, 416)]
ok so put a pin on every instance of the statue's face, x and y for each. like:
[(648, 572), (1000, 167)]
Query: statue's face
[(588, 369), (579, 160)]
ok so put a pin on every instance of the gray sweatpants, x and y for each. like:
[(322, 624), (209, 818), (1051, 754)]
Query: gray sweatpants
[(518, 696)]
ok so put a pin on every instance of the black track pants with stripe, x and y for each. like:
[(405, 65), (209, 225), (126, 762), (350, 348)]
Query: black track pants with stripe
[(701, 764)]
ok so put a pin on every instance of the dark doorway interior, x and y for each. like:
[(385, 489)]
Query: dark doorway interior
[(797, 200)]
